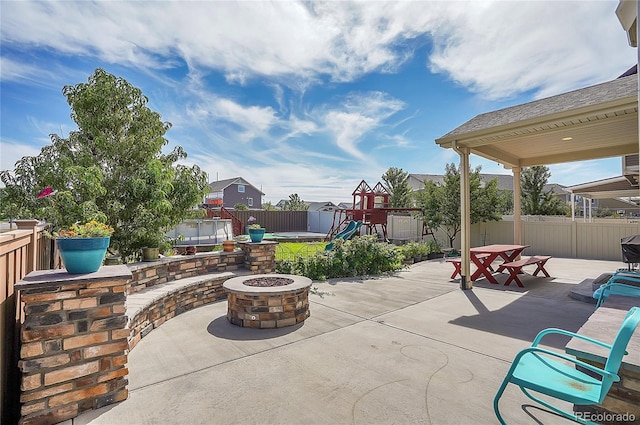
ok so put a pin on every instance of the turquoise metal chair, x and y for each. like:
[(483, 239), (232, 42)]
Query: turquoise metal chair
[(554, 374), (621, 283)]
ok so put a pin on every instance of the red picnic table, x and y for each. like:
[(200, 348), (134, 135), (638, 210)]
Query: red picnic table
[(483, 261)]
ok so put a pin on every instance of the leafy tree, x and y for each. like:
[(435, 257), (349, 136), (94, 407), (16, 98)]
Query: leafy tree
[(398, 187), (111, 169), (505, 201), (440, 203), (295, 203), (535, 200), (268, 206), (241, 207)]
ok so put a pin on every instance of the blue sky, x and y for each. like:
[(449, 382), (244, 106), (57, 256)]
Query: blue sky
[(307, 97)]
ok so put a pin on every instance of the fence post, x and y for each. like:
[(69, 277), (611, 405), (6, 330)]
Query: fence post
[(32, 249)]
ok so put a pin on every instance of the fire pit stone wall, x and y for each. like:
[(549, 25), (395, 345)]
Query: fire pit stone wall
[(267, 301)]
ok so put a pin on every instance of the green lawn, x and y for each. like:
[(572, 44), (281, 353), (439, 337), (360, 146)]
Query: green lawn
[(291, 250)]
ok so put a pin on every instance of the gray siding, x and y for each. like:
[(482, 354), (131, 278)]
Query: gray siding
[(232, 196)]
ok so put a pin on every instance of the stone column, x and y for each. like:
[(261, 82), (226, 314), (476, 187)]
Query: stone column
[(260, 257), (73, 343)]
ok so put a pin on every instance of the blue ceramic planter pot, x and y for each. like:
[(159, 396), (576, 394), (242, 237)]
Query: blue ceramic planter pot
[(82, 255), (256, 235)]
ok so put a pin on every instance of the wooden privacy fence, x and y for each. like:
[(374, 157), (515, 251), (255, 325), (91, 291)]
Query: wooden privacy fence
[(21, 251), (275, 221)]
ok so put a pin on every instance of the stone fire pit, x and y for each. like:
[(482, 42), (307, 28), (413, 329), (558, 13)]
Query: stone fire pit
[(267, 301)]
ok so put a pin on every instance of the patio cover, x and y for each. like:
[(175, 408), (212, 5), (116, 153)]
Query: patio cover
[(614, 187), (590, 123)]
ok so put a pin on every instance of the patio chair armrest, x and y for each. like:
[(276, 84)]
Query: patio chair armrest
[(626, 289), (629, 273), (548, 331), (590, 367), (624, 278)]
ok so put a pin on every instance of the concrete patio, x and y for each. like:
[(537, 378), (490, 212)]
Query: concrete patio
[(408, 349)]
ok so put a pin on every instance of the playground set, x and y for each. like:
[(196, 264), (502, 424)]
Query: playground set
[(370, 210)]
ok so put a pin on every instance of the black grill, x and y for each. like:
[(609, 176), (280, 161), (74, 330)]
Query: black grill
[(630, 249)]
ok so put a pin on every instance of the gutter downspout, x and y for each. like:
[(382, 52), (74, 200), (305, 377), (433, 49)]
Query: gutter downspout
[(465, 217)]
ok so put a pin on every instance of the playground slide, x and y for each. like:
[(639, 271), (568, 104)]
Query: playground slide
[(352, 228)]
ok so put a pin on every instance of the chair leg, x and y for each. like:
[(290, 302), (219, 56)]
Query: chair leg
[(496, 410)]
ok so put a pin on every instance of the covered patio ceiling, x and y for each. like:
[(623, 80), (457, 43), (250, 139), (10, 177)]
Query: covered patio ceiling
[(595, 122)]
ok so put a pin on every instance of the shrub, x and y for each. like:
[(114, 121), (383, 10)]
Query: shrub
[(414, 249), (360, 256), (434, 246)]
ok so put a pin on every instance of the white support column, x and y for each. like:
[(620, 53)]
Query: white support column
[(590, 209), (573, 206), (517, 211), (584, 209), (465, 216)]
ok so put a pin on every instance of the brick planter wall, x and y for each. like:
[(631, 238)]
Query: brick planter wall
[(74, 343), (148, 274), (259, 257)]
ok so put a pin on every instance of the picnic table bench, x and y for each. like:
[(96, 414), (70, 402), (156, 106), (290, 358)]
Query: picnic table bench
[(457, 263), (515, 268)]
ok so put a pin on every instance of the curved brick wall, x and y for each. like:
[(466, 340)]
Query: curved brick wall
[(77, 332), (146, 275)]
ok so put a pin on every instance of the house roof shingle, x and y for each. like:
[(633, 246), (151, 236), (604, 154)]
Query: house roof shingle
[(619, 88), (221, 185)]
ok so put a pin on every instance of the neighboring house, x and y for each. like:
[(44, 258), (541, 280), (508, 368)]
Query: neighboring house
[(312, 206), (559, 191), (321, 206), (230, 192)]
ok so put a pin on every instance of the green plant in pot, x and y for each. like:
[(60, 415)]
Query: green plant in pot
[(256, 232), (435, 250), (83, 246), (152, 243)]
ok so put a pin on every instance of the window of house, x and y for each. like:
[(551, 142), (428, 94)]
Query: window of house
[(250, 202), (241, 188)]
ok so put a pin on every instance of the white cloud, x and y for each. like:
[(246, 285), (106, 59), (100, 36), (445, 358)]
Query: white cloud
[(359, 115), (12, 151), (496, 49), (278, 182), (237, 122), (348, 129), (499, 49)]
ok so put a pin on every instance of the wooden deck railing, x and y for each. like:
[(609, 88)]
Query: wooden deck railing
[(21, 251)]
